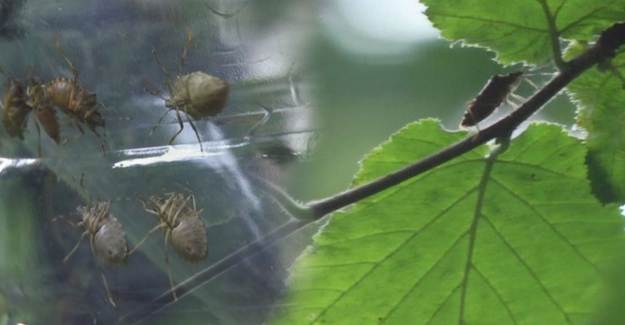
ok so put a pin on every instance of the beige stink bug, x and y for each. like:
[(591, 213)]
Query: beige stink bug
[(184, 228), (106, 235), (197, 94)]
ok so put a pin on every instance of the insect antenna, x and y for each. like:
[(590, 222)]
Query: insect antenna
[(185, 51), (160, 64), (59, 48)]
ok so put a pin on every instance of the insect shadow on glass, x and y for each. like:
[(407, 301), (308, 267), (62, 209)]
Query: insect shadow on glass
[(107, 238), (181, 221), (197, 95), (16, 109)]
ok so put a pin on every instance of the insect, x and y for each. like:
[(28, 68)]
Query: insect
[(197, 94), (16, 111), (106, 235), (184, 228), (69, 96), (490, 97)]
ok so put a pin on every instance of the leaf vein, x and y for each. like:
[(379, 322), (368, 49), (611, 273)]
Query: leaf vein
[(499, 297), (391, 254), (529, 269), (550, 225)]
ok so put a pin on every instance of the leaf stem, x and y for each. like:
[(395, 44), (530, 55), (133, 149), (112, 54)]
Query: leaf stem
[(554, 34), (604, 49), (472, 232)]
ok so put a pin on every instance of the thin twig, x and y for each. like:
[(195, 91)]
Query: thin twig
[(605, 49)]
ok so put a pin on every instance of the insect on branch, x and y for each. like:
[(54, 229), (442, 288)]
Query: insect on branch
[(604, 49)]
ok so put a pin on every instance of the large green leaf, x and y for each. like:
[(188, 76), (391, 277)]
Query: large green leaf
[(601, 97), (520, 242), (519, 30)]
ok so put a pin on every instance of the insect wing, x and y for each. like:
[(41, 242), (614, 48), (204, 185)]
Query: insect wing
[(15, 109), (490, 97), (48, 120)]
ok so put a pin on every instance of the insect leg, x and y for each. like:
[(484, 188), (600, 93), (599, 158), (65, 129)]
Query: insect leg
[(193, 201), (197, 134), (77, 124), (185, 50), (109, 297), (160, 120), (531, 83), (171, 278), (181, 127), (176, 216), (160, 64), (75, 247), (159, 226), (39, 151), (516, 97)]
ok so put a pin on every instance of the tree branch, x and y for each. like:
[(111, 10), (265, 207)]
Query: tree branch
[(604, 49)]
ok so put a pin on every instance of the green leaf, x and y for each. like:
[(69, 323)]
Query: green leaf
[(523, 243), (601, 99), (519, 30)]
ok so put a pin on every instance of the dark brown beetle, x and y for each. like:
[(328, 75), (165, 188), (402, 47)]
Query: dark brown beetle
[(490, 97)]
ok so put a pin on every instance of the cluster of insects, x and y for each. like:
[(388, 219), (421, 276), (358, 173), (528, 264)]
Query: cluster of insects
[(178, 217), (43, 99), (194, 95)]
